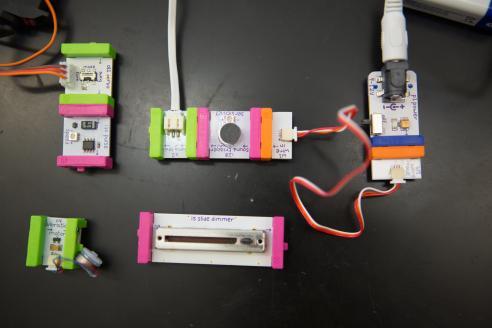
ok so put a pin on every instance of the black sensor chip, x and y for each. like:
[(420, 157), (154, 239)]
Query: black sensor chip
[(88, 145)]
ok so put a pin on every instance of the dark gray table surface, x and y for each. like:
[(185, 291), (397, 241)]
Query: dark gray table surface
[(425, 259)]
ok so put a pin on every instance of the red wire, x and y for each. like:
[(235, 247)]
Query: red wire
[(351, 112), (322, 130), (340, 184), (358, 210)]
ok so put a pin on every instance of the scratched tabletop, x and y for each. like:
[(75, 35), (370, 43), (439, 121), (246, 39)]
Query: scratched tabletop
[(425, 257)]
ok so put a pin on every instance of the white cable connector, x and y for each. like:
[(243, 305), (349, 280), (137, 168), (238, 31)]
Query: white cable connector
[(287, 134), (173, 63), (174, 123), (397, 174), (394, 37)]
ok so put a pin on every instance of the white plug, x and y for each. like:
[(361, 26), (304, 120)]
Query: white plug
[(394, 37), (174, 123), (287, 134)]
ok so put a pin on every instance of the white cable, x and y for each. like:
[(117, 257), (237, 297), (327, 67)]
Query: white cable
[(173, 64), (379, 191), (394, 37), (325, 130)]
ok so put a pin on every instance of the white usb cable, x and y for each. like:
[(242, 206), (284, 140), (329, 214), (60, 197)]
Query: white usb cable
[(173, 64), (394, 37), (394, 45)]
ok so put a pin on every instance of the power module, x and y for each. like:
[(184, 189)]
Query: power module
[(211, 239), (87, 105), (55, 243), (397, 145), (198, 133)]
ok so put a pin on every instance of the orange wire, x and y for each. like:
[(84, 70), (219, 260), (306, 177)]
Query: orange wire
[(39, 68), (324, 130), (33, 72), (46, 47)]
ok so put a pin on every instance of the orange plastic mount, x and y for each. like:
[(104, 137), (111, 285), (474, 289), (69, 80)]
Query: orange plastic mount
[(266, 134), (398, 152)]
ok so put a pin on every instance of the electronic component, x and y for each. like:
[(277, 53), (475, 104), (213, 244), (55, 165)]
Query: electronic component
[(55, 243), (397, 174), (89, 261), (174, 123), (73, 136), (88, 125), (55, 248), (394, 124), (229, 134), (88, 145), (400, 130), (377, 123), (253, 134), (224, 134), (381, 168), (397, 146), (288, 134), (405, 123), (87, 104), (224, 240), (88, 74), (211, 239)]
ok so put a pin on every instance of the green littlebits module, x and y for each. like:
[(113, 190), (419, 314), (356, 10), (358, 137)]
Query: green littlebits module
[(55, 243), (87, 106)]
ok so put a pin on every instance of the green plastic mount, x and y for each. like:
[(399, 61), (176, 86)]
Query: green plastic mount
[(156, 133), (71, 244), (191, 132), (86, 99), (35, 242), (92, 49)]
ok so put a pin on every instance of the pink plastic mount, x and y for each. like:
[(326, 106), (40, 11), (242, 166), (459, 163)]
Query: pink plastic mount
[(83, 110), (203, 134), (144, 234), (278, 244), (255, 133), (82, 162)]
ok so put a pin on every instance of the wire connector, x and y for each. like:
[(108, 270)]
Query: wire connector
[(174, 123), (70, 76), (397, 174), (287, 134)]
